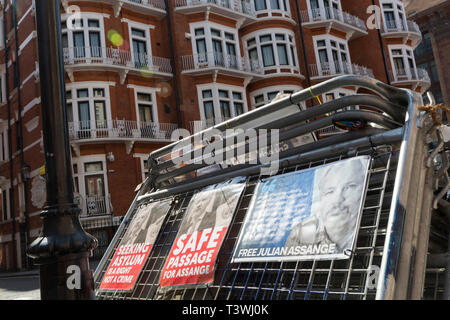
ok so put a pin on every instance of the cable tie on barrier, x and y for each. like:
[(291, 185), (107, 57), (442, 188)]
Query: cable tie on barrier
[(349, 252), (433, 111), (312, 94)]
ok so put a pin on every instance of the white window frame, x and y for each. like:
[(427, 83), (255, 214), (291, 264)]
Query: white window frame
[(329, 48), (289, 41), (207, 26), (152, 92), (5, 188), (397, 8), (4, 151), (321, 13), (284, 10), (3, 99), (216, 99), (265, 93), (81, 174), (90, 86), (142, 158), (143, 27), (405, 56), (85, 16)]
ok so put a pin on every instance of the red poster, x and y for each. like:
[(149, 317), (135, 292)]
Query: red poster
[(135, 246), (125, 267), (193, 255)]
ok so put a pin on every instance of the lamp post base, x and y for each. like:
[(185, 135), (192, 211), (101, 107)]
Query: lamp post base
[(67, 278), (63, 252)]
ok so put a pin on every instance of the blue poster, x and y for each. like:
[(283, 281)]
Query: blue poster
[(305, 215)]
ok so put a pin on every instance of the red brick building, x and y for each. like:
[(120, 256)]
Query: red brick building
[(432, 54), (138, 69)]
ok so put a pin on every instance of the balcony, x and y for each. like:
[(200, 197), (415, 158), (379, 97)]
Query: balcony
[(329, 18), (328, 70), (415, 78), (398, 29), (112, 59), (200, 125), (205, 63), (93, 206), (129, 132), (156, 8), (242, 11)]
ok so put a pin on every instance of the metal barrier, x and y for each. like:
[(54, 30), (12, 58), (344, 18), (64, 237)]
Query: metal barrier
[(389, 260)]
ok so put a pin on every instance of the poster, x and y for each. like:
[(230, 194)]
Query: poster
[(305, 215), (135, 246), (207, 219)]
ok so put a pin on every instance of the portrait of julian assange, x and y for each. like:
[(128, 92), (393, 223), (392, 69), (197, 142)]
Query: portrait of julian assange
[(211, 209), (146, 224), (338, 193)]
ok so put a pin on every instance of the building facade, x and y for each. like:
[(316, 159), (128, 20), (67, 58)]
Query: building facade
[(433, 17), (136, 70)]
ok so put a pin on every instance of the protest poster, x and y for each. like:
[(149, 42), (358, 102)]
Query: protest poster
[(305, 215), (208, 216), (135, 247)]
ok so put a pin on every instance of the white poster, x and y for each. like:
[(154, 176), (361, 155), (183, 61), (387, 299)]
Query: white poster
[(305, 215)]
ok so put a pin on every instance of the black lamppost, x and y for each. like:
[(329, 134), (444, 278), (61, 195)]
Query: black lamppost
[(63, 250)]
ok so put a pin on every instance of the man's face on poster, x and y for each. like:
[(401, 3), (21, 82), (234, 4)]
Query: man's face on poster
[(201, 203), (340, 196)]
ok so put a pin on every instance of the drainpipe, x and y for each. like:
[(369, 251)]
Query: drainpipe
[(19, 129), (380, 39), (174, 68), (302, 36), (10, 153)]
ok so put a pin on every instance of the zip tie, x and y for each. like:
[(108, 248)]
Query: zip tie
[(317, 97), (433, 110)]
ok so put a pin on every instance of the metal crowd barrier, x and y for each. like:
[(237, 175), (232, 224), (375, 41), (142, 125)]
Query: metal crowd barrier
[(402, 241)]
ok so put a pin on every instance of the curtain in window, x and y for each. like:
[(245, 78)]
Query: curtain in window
[(268, 56)]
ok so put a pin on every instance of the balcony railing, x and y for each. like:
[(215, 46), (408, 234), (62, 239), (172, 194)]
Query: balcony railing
[(236, 6), (219, 60), (120, 129), (402, 75), (92, 206), (150, 3), (109, 56), (398, 25), (327, 69), (200, 125), (329, 14)]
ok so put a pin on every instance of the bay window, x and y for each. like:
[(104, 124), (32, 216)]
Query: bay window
[(88, 108), (394, 15), (332, 55), (85, 38), (219, 102), (215, 44), (403, 62), (273, 49)]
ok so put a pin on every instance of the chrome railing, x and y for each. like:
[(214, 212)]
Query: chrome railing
[(326, 69), (245, 7), (115, 57), (120, 129), (321, 14), (218, 59)]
